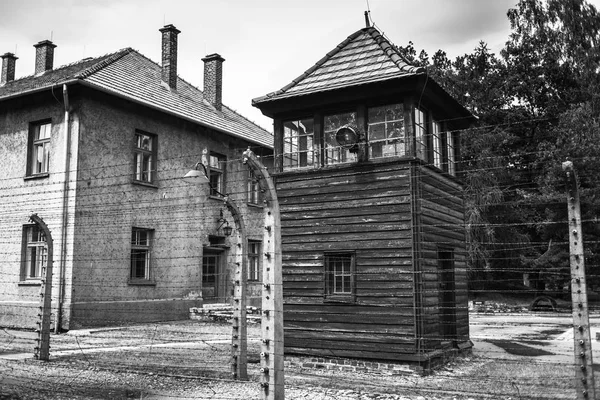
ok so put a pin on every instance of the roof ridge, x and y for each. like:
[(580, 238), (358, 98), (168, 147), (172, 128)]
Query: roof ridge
[(322, 61), (110, 58), (179, 78)]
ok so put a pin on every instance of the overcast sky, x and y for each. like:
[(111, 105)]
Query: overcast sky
[(266, 43)]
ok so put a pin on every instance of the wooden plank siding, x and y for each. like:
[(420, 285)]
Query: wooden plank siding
[(441, 220), (364, 208)]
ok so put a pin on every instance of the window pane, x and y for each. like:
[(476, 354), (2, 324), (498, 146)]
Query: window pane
[(138, 263), (43, 132), (386, 131), (334, 153), (144, 142), (339, 269), (298, 150)]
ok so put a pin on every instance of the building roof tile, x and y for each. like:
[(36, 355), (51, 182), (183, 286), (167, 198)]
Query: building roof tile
[(365, 56), (131, 75)]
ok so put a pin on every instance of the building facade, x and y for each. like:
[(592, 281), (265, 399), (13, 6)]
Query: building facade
[(373, 239), (98, 149)]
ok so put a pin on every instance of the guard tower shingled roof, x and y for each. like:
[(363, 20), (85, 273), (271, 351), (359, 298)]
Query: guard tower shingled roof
[(365, 56)]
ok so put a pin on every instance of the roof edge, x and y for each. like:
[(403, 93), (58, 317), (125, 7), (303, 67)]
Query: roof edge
[(173, 113), (311, 69)]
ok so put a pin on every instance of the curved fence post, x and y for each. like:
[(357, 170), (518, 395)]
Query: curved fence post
[(272, 378), (239, 340), (42, 350)]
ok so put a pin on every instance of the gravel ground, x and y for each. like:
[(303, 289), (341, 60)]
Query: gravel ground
[(189, 360)]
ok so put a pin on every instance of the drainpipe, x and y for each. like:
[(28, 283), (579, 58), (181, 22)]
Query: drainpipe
[(65, 215)]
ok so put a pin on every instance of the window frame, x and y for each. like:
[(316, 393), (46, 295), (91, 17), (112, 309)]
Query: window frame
[(147, 248), (336, 154), (387, 140), (330, 293), (254, 260), (438, 149), (421, 133), (216, 174), (33, 143), (451, 153), (152, 171), (25, 255), (303, 149), (254, 195)]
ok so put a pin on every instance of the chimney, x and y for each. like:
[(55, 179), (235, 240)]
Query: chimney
[(44, 56), (9, 61), (169, 55), (213, 80)]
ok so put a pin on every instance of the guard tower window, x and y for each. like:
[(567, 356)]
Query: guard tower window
[(298, 144), (386, 131), (437, 144), (334, 153), (421, 133)]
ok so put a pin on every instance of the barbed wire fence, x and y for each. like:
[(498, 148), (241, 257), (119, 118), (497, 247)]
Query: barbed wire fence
[(517, 353)]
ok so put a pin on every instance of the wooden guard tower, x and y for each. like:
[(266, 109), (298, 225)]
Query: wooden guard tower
[(367, 175)]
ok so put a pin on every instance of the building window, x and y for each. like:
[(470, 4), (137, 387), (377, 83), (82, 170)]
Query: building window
[(216, 173), (451, 148), (145, 157), (339, 269), (421, 133), (141, 246), (253, 260), (334, 153), (438, 147), (254, 192), (386, 131), (35, 252), (39, 148), (298, 144)]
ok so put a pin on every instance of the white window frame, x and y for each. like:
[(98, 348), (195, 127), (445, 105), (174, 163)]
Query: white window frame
[(39, 149), (141, 244), (421, 133), (299, 144), (216, 173), (35, 253), (393, 143), (451, 148), (436, 135), (144, 158)]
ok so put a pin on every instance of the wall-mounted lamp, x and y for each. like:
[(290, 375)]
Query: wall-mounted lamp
[(199, 174), (227, 230)]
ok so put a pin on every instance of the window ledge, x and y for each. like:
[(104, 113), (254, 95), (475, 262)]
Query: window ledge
[(36, 176), (140, 282), (213, 197), (31, 282), (254, 205), (147, 184)]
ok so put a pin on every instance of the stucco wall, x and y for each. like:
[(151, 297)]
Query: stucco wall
[(21, 196), (104, 204), (181, 213)]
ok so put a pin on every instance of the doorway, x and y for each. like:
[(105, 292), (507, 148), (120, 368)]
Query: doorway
[(212, 276)]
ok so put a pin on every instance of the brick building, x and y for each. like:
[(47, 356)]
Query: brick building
[(97, 149)]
